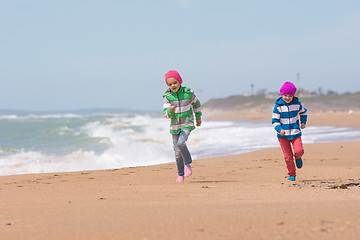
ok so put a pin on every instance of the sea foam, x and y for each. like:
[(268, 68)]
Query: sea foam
[(77, 142)]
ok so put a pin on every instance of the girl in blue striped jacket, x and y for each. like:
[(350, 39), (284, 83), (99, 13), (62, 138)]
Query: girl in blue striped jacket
[(285, 120)]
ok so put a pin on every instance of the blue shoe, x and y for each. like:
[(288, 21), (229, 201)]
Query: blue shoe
[(299, 163), (291, 178)]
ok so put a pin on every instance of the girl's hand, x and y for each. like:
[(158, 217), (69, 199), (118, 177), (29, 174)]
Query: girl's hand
[(282, 132), (303, 125), (172, 108), (198, 122)]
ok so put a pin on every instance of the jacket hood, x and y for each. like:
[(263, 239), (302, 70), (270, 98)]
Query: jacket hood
[(280, 101), (181, 90)]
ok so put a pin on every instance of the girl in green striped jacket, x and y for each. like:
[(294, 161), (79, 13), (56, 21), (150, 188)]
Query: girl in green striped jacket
[(180, 104)]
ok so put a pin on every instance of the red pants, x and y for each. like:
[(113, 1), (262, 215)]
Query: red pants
[(288, 153)]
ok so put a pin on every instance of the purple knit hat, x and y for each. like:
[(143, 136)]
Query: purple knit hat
[(173, 74), (288, 88)]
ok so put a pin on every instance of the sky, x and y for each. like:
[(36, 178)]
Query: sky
[(82, 54)]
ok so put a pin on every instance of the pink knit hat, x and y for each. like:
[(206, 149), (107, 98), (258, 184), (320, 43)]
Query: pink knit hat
[(288, 88), (173, 74)]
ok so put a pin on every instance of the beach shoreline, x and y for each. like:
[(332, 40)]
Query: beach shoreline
[(331, 118), (245, 196)]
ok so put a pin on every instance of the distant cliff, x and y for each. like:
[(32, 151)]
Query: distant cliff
[(323, 103)]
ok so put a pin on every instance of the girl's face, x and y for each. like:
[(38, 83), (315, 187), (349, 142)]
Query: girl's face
[(173, 84), (287, 98)]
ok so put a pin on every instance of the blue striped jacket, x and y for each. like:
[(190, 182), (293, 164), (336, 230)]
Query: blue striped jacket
[(286, 116)]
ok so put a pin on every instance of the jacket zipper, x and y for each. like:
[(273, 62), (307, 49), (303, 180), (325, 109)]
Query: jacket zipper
[(179, 108), (289, 118)]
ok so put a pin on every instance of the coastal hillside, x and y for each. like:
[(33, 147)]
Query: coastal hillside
[(317, 103)]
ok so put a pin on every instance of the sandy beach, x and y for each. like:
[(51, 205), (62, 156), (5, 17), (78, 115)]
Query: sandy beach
[(235, 197)]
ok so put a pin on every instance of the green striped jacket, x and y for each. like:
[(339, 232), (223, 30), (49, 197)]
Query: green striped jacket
[(186, 104)]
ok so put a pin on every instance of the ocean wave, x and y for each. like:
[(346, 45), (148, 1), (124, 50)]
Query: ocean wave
[(105, 141)]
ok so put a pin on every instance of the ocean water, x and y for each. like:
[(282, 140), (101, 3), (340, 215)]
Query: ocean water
[(39, 143)]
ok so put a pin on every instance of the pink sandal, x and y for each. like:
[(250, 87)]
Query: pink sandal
[(188, 171), (180, 179)]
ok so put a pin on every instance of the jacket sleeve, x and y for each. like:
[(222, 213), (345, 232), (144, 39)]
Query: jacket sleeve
[(196, 106), (166, 108), (276, 119), (303, 114)]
